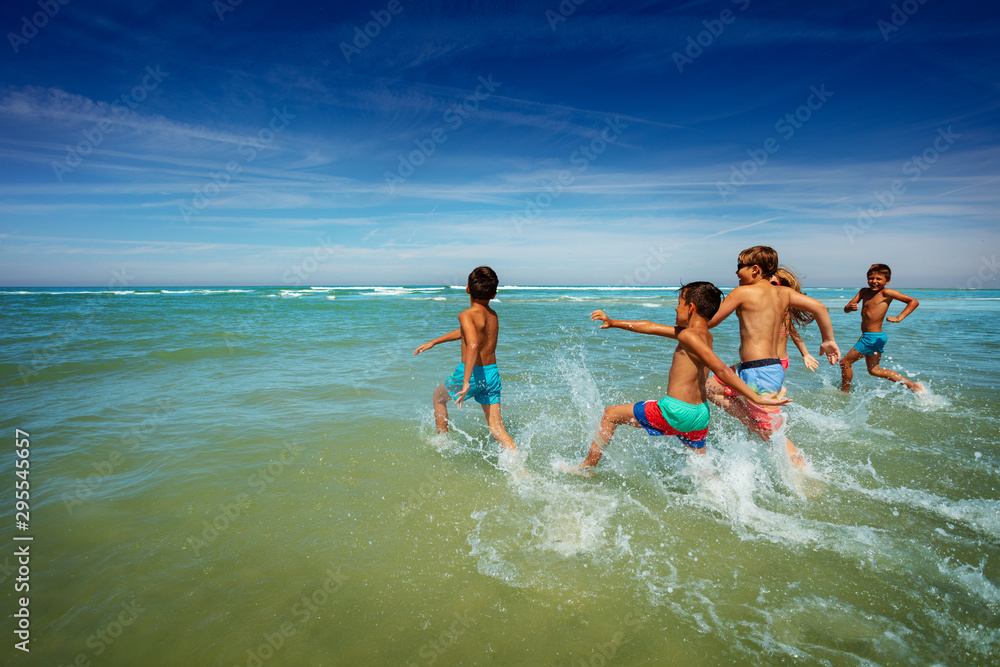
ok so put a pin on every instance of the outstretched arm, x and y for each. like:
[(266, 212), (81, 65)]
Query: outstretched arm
[(800, 345), (700, 349), (829, 346), (638, 326), (911, 304), (454, 335), (729, 304), (853, 303)]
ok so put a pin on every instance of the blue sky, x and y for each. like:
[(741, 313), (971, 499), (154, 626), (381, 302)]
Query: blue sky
[(406, 142)]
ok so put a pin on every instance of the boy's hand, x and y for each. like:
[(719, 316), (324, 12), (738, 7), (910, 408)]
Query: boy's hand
[(810, 362), (460, 396), (423, 348), (776, 399), (599, 315), (851, 307), (830, 349), (894, 319)]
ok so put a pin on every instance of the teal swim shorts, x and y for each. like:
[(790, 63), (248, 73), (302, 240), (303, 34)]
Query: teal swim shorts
[(871, 342), (484, 385)]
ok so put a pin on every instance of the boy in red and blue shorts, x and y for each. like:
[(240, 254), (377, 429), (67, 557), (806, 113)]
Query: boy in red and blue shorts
[(683, 412)]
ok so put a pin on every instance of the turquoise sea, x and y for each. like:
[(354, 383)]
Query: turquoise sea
[(250, 476)]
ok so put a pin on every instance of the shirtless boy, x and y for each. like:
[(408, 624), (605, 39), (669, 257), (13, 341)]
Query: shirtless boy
[(476, 376), (683, 411), (760, 308), (875, 300)]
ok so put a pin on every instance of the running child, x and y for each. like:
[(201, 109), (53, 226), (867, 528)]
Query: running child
[(476, 376), (760, 308), (683, 411), (875, 305), (792, 317)]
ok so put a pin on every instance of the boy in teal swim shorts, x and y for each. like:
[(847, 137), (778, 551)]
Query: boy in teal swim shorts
[(477, 375), (760, 308), (875, 300), (683, 411)]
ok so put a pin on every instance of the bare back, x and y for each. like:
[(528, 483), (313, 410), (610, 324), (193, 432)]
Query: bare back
[(874, 306), (486, 325), (761, 311), (686, 381)]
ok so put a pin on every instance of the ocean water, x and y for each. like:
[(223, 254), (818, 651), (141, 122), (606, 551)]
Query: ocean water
[(251, 477)]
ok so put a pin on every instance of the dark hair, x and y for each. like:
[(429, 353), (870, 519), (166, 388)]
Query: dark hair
[(763, 256), (880, 268), (483, 283), (705, 296)]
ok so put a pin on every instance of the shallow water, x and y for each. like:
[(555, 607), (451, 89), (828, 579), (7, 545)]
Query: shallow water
[(249, 477)]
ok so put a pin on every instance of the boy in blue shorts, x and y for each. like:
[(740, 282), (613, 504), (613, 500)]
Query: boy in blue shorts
[(760, 308), (683, 411), (875, 300), (476, 376)]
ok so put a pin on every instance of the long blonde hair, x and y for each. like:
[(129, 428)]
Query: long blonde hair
[(785, 277)]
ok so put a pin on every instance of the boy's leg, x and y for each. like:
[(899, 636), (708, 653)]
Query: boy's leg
[(734, 406), (613, 416), (495, 422), (846, 373), (872, 361), (441, 399)]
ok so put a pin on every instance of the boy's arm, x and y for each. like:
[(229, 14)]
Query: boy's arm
[(800, 345), (853, 303), (911, 304), (454, 335), (829, 346), (700, 349), (729, 304), (470, 355), (638, 326)]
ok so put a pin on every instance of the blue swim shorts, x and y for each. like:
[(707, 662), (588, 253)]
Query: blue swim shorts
[(765, 376), (484, 385), (871, 343)]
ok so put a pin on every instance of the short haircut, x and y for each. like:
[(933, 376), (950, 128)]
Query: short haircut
[(880, 268), (763, 256), (483, 283), (705, 296)]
